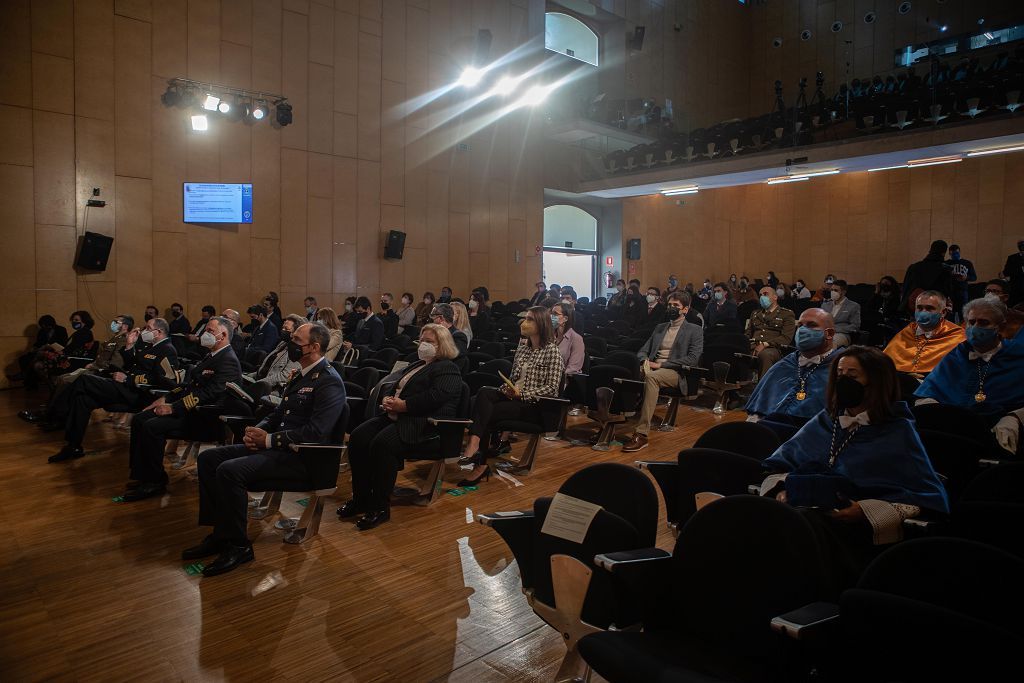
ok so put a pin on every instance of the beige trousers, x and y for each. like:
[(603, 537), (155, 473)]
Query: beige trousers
[(655, 379)]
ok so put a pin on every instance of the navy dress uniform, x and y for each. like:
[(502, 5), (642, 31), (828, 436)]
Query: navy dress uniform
[(144, 367), (205, 385), (311, 405)]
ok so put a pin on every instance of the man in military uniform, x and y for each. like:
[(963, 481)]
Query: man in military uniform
[(108, 359), (176, 412), (312, 403), (145, 368), (771, 329)]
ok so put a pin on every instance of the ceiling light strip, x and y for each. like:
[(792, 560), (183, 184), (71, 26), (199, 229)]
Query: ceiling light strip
[(998, 150), (680, 190), (935, 161), (791, 179)]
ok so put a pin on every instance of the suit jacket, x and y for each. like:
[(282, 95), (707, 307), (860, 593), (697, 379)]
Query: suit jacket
[(390, 321), (370, 333), (848, 317), (143, 365), (264, 338), (205, 382), (180, 325), (686, 349), (434, 391), (715, 314), (200, 327), (1013, 271), (309, 410)]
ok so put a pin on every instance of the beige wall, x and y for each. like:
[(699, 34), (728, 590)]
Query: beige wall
[(873, 45), (80, 108), (858, 226)]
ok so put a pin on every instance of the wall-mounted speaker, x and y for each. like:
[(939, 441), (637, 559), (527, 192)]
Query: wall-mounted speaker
[(94, 252), (633, 250), (395, 245)]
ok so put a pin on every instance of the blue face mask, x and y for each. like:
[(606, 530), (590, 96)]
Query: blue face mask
[(983, 336), (554, 321), (955, 255), (114, 326), (808, 339), (766, 302), (927, 319)]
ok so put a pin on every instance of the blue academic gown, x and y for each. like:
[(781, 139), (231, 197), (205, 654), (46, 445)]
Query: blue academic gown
[(885, 461), (775, 394), (954, 381)]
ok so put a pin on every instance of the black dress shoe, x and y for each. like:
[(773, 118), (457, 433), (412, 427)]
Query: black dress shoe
[(32, 416), (209, 546), (230, 557), (350, 509), (142, 491), (67, 453), (372, 519)]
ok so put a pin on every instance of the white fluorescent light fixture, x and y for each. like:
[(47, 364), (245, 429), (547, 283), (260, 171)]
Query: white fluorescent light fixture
[(815, 174), (211, 102), (999, 150), (470, 77), (199, 122), (680, 190), (887, 168), (935, 161), (791, 179), (536, 95)]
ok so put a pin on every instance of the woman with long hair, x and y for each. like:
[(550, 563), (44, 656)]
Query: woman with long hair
[(329, 319), (461, 320)]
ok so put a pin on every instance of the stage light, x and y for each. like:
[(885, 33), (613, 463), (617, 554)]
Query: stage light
[(171, 96), (692, 189), (535, 95), (999, 150), (943, 28), (211, 102), (790, 179), (259, 111), (223, 107), (284, 113), (934, 161), (199, 122), (470, 77)]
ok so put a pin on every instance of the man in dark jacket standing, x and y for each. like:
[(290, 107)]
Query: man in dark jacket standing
[(930, 273)]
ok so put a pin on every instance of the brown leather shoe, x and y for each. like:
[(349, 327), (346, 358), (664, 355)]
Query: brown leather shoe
[(635, 443)]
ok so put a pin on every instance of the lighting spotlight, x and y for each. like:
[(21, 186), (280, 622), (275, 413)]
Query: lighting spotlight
[(211, 102), (535, 95), (943, 28), (470, 77), (259, 111), (199, 122), (223, 107), (284, 113), (171, 96)]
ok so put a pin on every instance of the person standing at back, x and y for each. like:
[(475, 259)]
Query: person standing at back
[(1013, 271), (963, 275), (928, 273)]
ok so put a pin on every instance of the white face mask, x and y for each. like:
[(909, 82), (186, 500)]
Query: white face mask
[(992, 296), (426, 351), (836, 296), (348, 308), (473, 304), (207, 340), (619, 288), (427, 302), (780, 291), (147, 336), (651, 298)]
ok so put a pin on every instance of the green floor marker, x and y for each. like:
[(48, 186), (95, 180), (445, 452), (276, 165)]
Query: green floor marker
[(117, 499), (471, 488), (194, 568), (303, 502), (455, 492)]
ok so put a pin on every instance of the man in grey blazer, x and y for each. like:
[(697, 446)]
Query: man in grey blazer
[(673, 346), (845, 312)]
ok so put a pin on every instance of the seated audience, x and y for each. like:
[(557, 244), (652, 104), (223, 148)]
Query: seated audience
[(276, 369), (208, 312), (800, 290), (579, 317), (270, 303), (479, 314), (706, 292), (635, 310), (461, 321), (144, 369), (406, 313), (51, 361), (312, 405), (721, 310), (744, 292), (177, 412), (672, 347), (655, 309), (428, 388), (179, 323), (446, 295), (328, 318), (369, 331), (858, 466), (825, 292), (845, 312), (309, 303), (930, 273), (1013, 270), (919, 346), (444, 315), (424, 308), (539, 295), (151, 312), (616, 302), (263, 337), (569, 342), (537, 371), (771, 329), (673, 286), (388, 315), (984, 374), (1000, 290), (350, 319), (238, 340), (793, 390), (49, 333)]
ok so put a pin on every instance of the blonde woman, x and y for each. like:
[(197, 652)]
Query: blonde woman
[(461, 321), (329, 319)]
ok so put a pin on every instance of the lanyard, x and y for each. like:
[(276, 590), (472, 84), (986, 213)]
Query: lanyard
[(833, 449)]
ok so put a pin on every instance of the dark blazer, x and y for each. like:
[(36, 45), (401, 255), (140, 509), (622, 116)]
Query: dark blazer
[(928, 273), (686, 349), (538, 297), (78, 344), (461, 341), (370, 334), (714, 315), (180, 325), (1013, 271), (144, 366), (434, 391), (264, 338), (200, 326), (205, 382), (654, 316), (310, 407), (390, 321), (481, 322)]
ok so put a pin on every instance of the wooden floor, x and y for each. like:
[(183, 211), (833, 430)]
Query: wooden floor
[(95, 590)]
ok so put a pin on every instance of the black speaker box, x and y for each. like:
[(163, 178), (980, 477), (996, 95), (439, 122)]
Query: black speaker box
[(633, 250), (395, 245), (637, 42), (94, 252)]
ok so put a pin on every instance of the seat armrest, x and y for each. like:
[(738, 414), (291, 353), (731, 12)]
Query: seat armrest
[(80, 358), (623, 380), (632, 561), (157, 392), (442, 421), (808, 622), (988, 462), (238, 419), (553, 399), (317, 447), (516, 528), (494, 519)]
